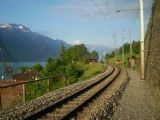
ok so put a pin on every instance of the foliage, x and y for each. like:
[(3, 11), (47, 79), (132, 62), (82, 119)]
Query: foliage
[(91, 69), (71, 63), (53, 67), (78, 53), (62, 52), (35, 89), (23, 69), (135, 49), (37, 67), (94, 54), (110, 58), (68, 63)]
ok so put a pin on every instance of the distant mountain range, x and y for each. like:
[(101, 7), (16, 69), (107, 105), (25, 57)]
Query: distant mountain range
[(19, 43), (101, 49)]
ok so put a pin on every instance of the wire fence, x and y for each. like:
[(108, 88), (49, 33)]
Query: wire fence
[(19, 92)]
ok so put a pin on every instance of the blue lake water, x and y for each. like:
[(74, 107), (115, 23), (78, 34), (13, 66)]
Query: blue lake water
[(16, 65)]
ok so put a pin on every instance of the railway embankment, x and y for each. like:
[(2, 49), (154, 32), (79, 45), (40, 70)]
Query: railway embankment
[(137, 102), (152, 51), (101, 107)]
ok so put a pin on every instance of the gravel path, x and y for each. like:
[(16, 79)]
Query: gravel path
[(137, 102)]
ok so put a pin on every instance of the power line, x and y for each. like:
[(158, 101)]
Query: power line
[(101, 12), (111, 18)]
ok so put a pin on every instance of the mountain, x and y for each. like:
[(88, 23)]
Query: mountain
[(100, 49), (19, 43)]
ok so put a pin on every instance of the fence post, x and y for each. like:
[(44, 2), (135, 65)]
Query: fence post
[(48, 84), (0, 98), (64, 80), (24, 93)]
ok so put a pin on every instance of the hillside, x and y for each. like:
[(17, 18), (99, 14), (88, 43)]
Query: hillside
[(135, 51), (152, 55), (100, 49), (19, 43)]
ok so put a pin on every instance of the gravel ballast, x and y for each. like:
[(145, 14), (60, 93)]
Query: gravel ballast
[(137, 103), (103, 106), (23, 110)]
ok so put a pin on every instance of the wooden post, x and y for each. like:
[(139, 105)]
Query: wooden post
[(48, 82), (0, 99), (64, 79), (24, 93)]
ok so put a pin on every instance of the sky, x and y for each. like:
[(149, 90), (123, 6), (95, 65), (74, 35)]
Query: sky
[(78, 21)]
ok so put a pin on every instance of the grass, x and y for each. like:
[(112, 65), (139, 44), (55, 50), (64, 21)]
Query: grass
[(37, 89), (119, 57), (91, 70)]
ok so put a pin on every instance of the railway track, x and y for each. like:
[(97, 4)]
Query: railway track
[(68, 107)]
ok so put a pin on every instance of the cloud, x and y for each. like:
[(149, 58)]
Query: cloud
[(80, 8), (104, 10), (94, 8), (77, 42)]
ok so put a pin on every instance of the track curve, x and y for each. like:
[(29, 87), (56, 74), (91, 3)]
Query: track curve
[(68, 107)]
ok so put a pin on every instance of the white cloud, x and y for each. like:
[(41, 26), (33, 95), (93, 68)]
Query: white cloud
[(105, 10), (80, 8), (77, 42), (88, 9)]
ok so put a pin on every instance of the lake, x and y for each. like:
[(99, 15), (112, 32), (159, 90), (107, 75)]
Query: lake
[(16, 65)]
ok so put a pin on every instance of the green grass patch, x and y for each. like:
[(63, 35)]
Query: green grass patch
[(91, 70), (39, 88), (119, 57)]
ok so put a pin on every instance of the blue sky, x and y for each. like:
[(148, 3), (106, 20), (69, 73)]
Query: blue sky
[(85, 21)]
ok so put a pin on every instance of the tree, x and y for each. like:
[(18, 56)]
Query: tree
[(62, 52), (107, 56), (23, 69), (56, 66), (136, 47), (78, 53), (37, 67), (52, 68), (94, 54)]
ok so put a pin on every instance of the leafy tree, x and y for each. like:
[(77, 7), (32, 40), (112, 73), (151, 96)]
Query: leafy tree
[(94, 54), (79, 53), (37, 67), (110, 55), (136, 47), (73, 72), (62, 52), (23, 69), (107, 56), (52, 68), (126, 48)]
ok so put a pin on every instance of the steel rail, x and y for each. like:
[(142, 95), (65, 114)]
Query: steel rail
[(74, 111), (41, 113), (30, 81)]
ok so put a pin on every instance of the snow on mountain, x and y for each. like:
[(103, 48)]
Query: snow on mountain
[(15, 27), (21, 44), (5, 25)]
